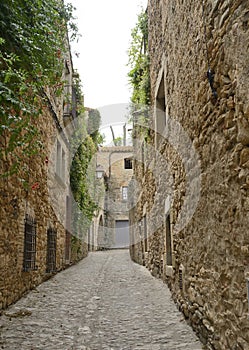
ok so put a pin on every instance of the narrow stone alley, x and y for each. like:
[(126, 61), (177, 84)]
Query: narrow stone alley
[(104, 302)]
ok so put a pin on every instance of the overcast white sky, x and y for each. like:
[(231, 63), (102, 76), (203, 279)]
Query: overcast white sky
[(105, 27)]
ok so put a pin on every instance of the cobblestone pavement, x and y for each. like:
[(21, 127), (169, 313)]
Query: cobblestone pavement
[(105, 302)]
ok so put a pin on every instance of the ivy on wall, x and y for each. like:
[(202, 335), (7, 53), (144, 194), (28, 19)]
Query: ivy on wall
[(32, 43), (82, 176)]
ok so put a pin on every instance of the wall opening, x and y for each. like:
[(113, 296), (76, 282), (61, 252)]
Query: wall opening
[(145, 235), (68, 229), (160, 117), (63, 165), (125, 193), (58, 158), (122, 237), (51, 249), (128, 163), (181, 278), (29, 244), (169, 255)]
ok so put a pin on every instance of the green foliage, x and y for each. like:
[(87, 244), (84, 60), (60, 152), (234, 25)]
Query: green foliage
[(118, 141), (19, 106), (35, 30), (139, 76), (93, 125), (82, 176), (32, 42)]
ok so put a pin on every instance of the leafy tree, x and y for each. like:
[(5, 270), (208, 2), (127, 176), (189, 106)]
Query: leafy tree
[(139, 62), (93, 125), (118, 141)]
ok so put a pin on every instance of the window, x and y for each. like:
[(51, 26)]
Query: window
[(160, 119), (67, 67), (63, 165), (128, 163), (51, 249), (181, 278), (124, 193), (29, 244), (68, 228), (168, 241), (60, 161), (145, 235), (67, 104), (58, 158)]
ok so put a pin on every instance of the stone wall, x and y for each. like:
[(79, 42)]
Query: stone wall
[(197, 204), (41, 190), (16, 202)]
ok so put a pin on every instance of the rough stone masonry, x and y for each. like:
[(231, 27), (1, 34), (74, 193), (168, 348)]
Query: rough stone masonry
[(206, 262)]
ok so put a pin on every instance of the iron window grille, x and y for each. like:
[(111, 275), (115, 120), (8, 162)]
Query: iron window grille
[(180, 279), (29, 244), (168, 241), (51, 249)]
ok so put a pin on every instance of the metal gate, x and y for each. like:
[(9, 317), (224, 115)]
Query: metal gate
[(122, 239)]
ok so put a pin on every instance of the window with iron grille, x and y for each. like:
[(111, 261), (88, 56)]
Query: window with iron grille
[(180, 279), (29, 244), (51, 249), (168, 241)]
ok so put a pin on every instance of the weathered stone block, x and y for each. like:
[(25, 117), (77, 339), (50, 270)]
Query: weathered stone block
[(210, 244), (244, 156), (243, 132)]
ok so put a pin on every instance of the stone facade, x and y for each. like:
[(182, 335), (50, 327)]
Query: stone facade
[(35, 219), (193, 207), (116, 163)]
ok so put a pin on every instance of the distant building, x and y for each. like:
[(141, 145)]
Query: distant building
[(112, 223)]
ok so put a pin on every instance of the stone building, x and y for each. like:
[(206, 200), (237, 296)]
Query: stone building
[(190, 219), (111, 226), (35, 219)]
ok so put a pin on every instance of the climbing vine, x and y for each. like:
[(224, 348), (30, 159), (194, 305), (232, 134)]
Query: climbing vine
[(139, 76), (82, 174), (138, 62), (32, 44)]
